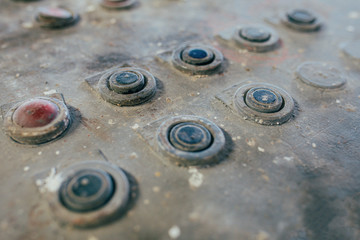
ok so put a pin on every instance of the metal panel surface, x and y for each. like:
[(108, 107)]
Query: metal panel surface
[(294, 181)]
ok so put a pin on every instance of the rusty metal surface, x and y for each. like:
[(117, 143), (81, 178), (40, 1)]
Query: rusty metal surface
[(295, 181)]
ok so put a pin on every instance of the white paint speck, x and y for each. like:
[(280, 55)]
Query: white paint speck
[(159, 44), (90, 8), (350, 28), (338, 101), (313, 145), (111, 122), (156, 189), (57, 152), (27, 25), (98, 127), (26, 168), (196, 179), (136, 126), (93, 238), (261, 149), (112, 21), (17, 75), (251, 142), (353, 15), (174, 232), (51, 183), (39, 153), (52, 91), (84, 147), (289, 159)]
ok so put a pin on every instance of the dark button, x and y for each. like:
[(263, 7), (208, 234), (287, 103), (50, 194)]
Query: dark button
[(35, 113), (301, 16), (197, 56), (264, 100), (87, 190), (190, 137), (126, 82), (197, 53), (254, 34), (126, 78)]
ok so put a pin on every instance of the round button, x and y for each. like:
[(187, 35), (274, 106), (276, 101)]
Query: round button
[(300, 16), (55, 14), (87, 190), (49, 17), (126, 78), (35, 113), (264, 100), (197, 56), (126, 82), (253, 34), (198, 53), (190, 137)]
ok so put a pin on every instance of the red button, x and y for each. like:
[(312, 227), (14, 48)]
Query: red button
[(35, 113)]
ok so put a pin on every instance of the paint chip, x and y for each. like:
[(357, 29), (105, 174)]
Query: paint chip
[(174, 232), (196, 179)]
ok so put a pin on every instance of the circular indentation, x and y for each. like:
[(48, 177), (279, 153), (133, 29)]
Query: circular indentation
[(253, 34), (91, 193), (191, 140), (50, 17), (190, 137), (131, 94), (197, 59), (118, 4), (37, 120), (264, 100), (87, 190), (269, 105), (320, 75), (35, 113), (301, 20), (256, 38), (352, 50), (126, 82), (301, 16)]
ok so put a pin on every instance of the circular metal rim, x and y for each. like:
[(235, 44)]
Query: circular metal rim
[(118, 5), (131, 99), (269, 45), (276, 118), (69, 198), (314, 84), (114, 206), (42, 134), (315, 26), (198, 62), (181, 65), (277, 95), (127, 88), (178, 144), (184, 158)]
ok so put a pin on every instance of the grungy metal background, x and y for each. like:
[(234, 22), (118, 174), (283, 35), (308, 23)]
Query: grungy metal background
[(297, 181)]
